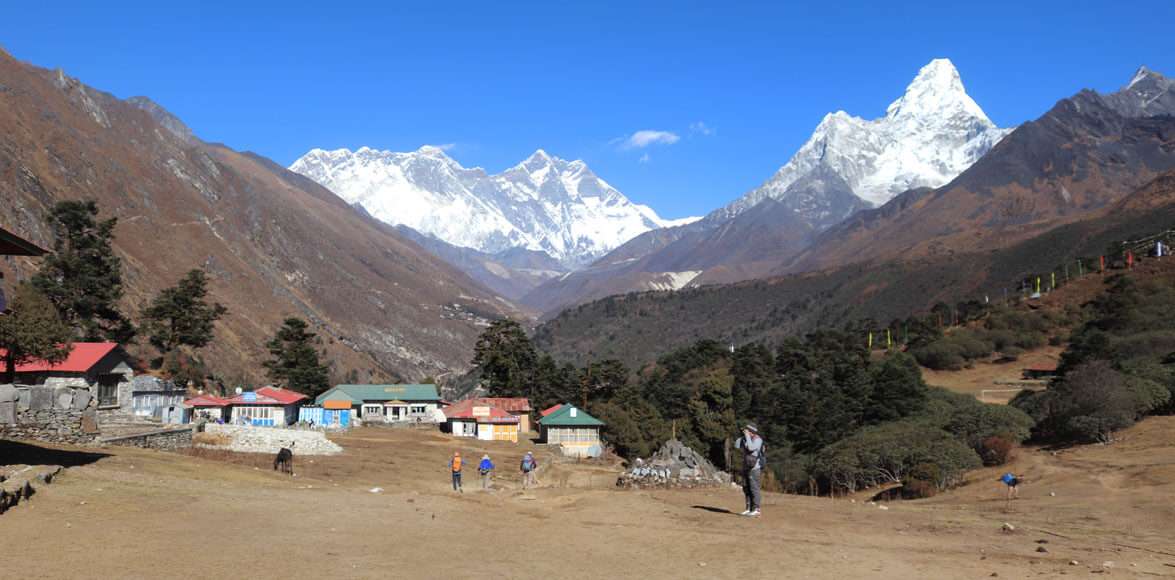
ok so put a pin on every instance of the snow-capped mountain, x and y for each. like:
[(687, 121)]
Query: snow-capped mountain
[(544, 203), (926, 138)]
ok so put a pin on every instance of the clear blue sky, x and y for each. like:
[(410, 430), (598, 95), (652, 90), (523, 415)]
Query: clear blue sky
[(500, 79)]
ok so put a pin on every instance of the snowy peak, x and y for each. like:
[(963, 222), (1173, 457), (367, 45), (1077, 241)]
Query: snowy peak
[(937, 90), (544, 203), (1148, 93), (928, 136)]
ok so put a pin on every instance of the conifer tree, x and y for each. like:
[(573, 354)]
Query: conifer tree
[(83, 276), (180, 316), (294, 362), (32, 330)]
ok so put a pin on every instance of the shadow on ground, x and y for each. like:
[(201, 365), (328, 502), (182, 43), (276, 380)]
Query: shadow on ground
[(19, 453), (714, 510)]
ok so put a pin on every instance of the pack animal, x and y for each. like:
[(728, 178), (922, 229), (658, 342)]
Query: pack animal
[(284, 461)]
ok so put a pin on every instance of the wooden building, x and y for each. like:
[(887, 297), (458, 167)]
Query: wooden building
[(576, 432), (476, 418)]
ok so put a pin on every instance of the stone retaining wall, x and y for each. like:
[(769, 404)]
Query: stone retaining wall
[(162, 439), (52, 414), (270, 440)]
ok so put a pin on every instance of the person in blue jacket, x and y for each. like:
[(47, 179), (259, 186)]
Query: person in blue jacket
[(1013, 482), (486, 470)]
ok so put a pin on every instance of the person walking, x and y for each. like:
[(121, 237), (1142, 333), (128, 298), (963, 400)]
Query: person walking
[(753, 463), (486, 469), (528, 466), (455, 468)]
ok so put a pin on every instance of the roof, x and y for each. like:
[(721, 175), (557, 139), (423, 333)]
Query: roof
[(381, 393), (267, 396), (479, 411), (563, 418), (82, 357), (206, 401), (551, 409), (14, 245), (508, 404)]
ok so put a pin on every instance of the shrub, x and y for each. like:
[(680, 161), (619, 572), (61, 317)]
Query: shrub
[(889, 453), (995, 450), (974, 425), (940, 356)]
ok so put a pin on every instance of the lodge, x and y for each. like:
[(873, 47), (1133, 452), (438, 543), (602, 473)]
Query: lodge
[(573, 430), (102, 368), (265, 407), (477, 418), (409, 403)]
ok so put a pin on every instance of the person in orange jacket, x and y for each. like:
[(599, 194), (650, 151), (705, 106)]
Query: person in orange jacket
[(455, 468)]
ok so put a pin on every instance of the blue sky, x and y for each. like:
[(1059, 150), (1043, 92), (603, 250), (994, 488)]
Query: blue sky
[(498, 80)]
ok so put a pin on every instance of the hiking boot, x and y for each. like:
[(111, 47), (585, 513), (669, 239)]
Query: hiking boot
[(755, 514), (745, 513)]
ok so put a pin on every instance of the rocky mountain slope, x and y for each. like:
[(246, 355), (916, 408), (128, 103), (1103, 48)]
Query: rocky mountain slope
[(274, 243), (638, 327), (1081, 156), (543, 204), (928, 136)]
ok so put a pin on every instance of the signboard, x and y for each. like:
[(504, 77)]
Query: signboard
[(396, 390), (481, 411), (249, 397)]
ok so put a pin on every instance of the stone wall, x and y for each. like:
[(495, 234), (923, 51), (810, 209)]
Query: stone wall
[(270, 440), (162, 439), (52, 414)]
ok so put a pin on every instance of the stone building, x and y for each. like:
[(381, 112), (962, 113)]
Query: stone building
[(102, 368)]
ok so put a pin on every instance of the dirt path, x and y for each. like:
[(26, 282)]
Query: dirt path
[(144, 514)]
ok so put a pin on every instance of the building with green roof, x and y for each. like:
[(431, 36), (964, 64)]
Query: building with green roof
[(575, 431), (415, 403)]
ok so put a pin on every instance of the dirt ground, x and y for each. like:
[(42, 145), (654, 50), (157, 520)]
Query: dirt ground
[(983, 375), (145, 514)]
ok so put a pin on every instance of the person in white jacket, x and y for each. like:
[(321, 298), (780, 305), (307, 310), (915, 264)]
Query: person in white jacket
[(753, 461)]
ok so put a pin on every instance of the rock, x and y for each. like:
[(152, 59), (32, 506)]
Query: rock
[(1073, 562), (1107, 564), (883, 507), (1052, 494), (1042, 550), (1008, 528), (81, 400), (376, 490)]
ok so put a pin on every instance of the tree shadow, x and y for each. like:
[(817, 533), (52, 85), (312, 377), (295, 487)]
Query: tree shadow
[(18, 453), (715, 510)]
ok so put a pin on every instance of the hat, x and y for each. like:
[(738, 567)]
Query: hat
[(486, 456), (456, 453), (752, 428)]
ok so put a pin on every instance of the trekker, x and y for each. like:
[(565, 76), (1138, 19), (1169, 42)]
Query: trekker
[(455, 467), (486, 469), (528, 466), (1013, 482), (753, 462)]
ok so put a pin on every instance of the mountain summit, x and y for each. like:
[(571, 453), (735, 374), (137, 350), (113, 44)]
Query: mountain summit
[(544, 203), (928, 136)]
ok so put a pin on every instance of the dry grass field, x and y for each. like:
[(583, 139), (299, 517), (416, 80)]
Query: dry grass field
[(146, 514)]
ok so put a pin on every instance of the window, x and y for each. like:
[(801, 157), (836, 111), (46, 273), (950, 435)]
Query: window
[(373, 410), (108, 390), (418, 409)]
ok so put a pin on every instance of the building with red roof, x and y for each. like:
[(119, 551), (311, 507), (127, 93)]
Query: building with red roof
[(210, 407), (476, 418), (517, 406), (265, 407), (550, 409), (103, 368)]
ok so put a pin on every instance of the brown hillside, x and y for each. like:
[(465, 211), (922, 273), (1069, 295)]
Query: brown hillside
[(274, 244)]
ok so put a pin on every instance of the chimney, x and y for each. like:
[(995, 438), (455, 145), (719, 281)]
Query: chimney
[(572, 413)]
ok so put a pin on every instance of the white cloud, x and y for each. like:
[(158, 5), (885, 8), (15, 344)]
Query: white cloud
[(645, 158), (647, 137), (700, 128), (445, 146)]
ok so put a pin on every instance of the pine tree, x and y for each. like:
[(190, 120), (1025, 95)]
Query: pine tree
[(294, 361), (33, 330), (505, 359), (179, 316), (83, 276)]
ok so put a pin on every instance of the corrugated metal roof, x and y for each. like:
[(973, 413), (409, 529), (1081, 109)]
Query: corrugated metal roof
[(268, 396), (82, 357), (382, 393), (14, 245), (508, 404), (562, 418), (479, 411), (206, 401)]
